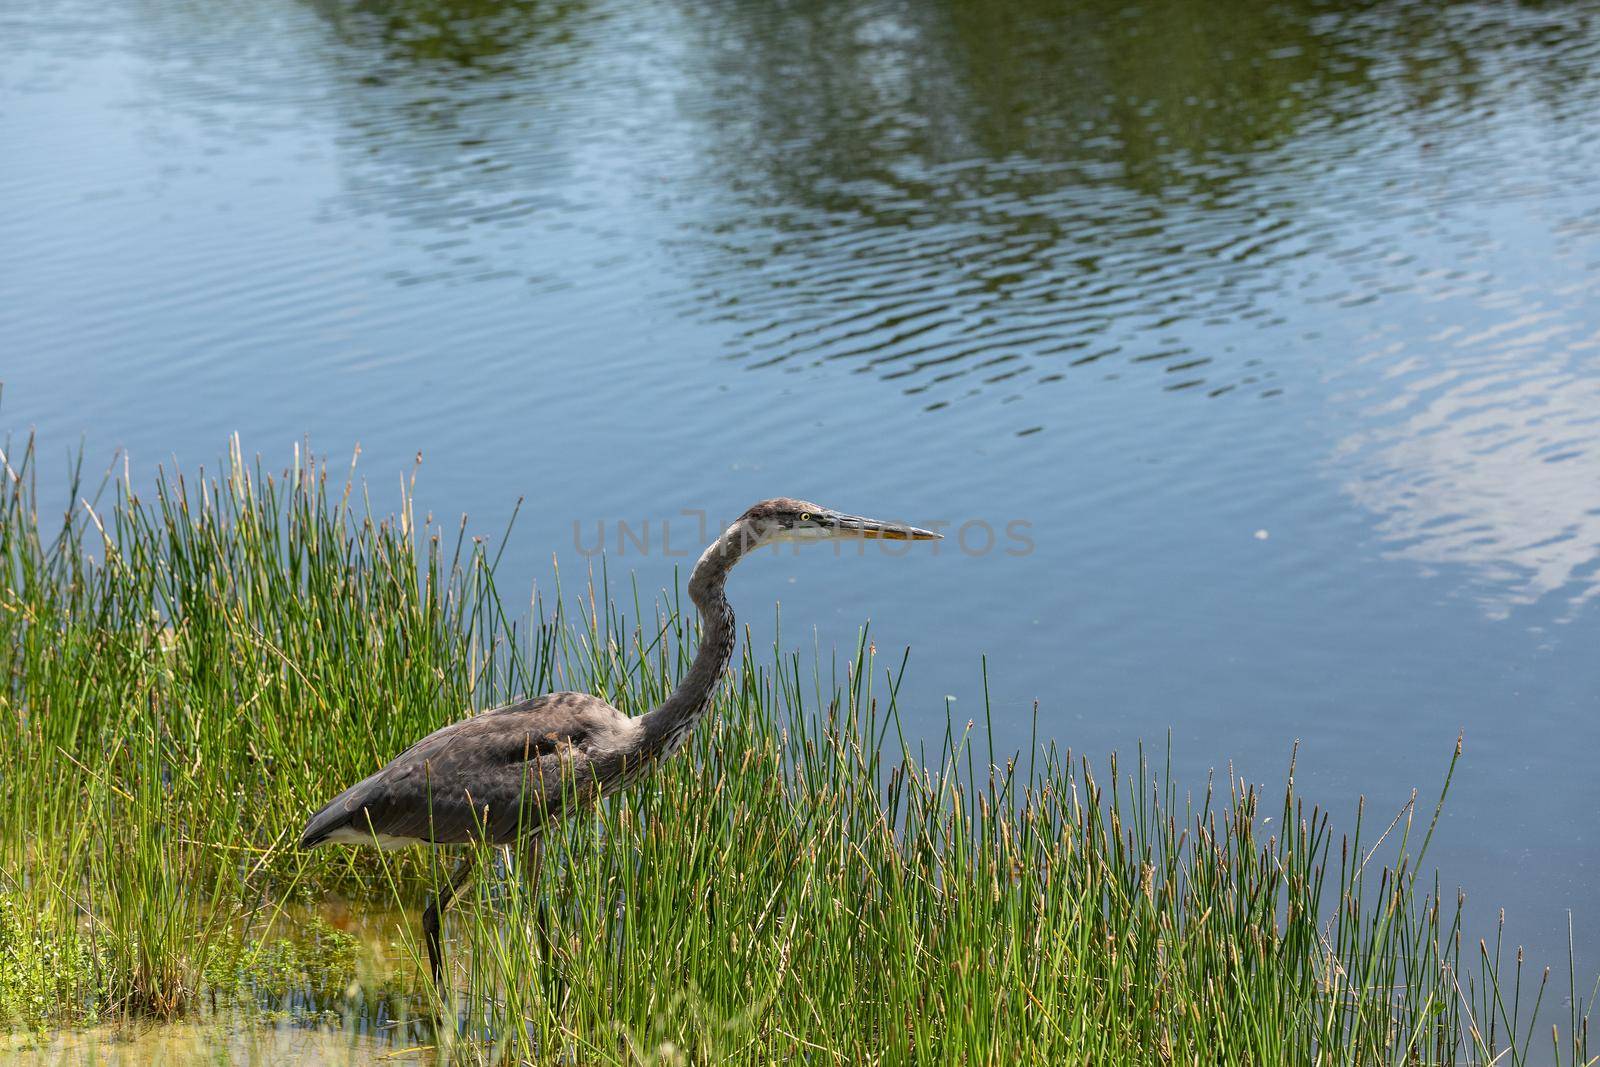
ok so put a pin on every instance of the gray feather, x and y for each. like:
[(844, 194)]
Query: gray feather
[(494, 776)]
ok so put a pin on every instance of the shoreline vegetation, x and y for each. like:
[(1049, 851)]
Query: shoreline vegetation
[(190, 666)]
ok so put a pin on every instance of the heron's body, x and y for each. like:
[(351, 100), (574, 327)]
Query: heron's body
[(492, 777), (500, 776)]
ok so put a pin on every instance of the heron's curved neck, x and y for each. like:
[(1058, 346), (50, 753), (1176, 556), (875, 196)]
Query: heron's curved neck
[(666, 727)]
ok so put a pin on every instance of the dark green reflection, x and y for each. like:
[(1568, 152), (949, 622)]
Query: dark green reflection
[(484, 34), (955, 195), (1138, 88), (951, 196)]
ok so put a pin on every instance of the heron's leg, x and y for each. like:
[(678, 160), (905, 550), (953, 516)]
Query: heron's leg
[(432, 916), (532, 865), (533, 856)]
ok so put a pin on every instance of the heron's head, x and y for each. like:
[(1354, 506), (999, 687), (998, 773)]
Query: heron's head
[(785, 519)]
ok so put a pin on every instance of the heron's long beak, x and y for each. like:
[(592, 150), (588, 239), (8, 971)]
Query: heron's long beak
[(856, 526)]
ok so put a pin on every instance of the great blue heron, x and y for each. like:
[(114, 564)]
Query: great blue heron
[(499, 776)]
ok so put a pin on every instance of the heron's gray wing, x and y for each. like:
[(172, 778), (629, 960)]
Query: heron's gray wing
[(491, 776)]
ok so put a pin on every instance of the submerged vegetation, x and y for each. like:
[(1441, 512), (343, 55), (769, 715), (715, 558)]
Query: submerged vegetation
[(188, 674)]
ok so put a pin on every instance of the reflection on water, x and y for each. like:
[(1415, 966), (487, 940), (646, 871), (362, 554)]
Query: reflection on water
[(1486, 455), (957, 201), (952, 198), (1151, 277), (194, 1044), (291, 1000)]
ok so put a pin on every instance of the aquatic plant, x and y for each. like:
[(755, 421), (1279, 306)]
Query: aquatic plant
[(188, 669)]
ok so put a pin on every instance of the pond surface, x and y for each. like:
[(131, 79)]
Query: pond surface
[(283, 1011), (205, 1044), (1265, 343)]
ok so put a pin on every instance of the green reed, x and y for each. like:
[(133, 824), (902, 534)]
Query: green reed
[(190, 672)]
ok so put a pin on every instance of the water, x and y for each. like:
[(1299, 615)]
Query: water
[(1277, 332), (199, 1045)]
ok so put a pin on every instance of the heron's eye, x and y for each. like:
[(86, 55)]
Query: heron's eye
[(805, 516)]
